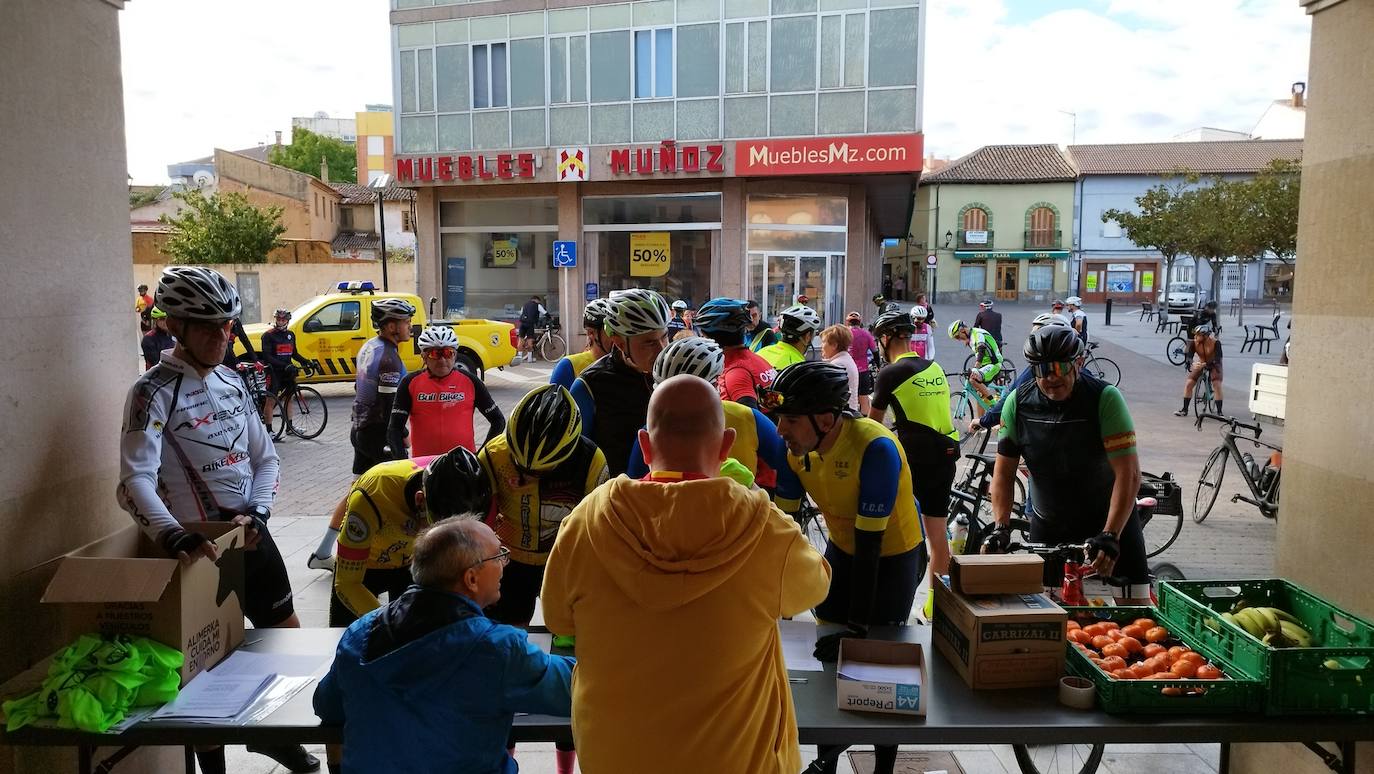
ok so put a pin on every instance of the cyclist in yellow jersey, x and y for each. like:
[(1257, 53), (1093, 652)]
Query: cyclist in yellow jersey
[(386, 509), (799, 324), (593, 318)]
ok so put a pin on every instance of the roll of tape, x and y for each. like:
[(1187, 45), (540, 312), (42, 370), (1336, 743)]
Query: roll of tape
[(1077, 692)]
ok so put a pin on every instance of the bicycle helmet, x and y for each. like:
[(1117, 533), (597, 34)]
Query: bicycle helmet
[(282, 313), (637, 311), (955, 327), (723, 315), (197, 293), (1073, 301), (544, 429), (680, 305), (986, 303), (893, 323), (387, 309), (157, 314), (798, 319), (694, 355), (455, 483), (809, 387), (1205, 328), (1053, 344), (436, 336), (1048, 318), (854, 318), (919, 313), (595, 313)]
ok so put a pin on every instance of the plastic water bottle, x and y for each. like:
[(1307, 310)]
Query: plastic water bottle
[(1250, 465), (959, 536)]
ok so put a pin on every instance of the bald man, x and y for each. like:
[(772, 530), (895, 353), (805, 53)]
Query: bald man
[(673, 585)]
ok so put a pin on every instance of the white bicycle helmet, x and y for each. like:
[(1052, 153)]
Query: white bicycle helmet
[(437, 336), (595, 313), (387, 309), (1048, 318), (1073, 301), (798, 319), (919, 314), (196, 293), (637, 311), (695, 355)]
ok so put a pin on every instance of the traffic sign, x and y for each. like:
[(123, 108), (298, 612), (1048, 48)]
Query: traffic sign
[(564, 255), (930, 259), (593, 290)]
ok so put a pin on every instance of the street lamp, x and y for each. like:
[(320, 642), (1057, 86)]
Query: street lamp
[(381, 183)]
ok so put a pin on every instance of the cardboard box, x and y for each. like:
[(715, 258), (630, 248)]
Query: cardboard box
[(124, 584), (975, 574), (1001, 641), (895, 681)]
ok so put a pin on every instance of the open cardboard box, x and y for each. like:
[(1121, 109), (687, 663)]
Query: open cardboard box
[(1001, 641), (974, 574), (124, 584), (878, 676)]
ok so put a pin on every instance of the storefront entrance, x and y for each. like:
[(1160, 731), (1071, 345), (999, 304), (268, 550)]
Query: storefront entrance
[(1006, 281), (777, 281)]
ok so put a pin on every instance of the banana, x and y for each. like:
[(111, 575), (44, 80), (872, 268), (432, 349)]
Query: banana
[(1229, 618), (1251, 622), (1270, 621), (1284, 615), (1331, 663), (1298, 635)]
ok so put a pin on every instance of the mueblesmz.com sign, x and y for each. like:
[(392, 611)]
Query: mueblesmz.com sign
[(886, 153)]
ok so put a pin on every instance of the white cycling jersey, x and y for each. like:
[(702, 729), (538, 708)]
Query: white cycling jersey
[(192, 449)]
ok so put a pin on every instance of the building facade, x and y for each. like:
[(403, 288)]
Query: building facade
[(359, 236), (697, 147), (994, 224), (321, 123), (376, 143)]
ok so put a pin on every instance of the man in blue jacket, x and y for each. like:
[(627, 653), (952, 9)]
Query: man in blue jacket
[(428, 683)]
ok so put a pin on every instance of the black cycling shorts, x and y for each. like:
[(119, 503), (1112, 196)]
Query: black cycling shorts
[(931, 483), (369, 447), (1130, 565), (865, 382), (267, 589), (898, 577), (280, 380), (520, 585), (391, 580), (526, 330)]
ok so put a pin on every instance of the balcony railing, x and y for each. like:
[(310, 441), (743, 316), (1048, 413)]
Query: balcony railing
[(965, 243), (1044, 239)]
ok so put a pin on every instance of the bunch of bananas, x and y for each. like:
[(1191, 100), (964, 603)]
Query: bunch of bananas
[(1272, 626)]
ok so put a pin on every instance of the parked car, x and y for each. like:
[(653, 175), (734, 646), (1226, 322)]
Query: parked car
[(331, 328), (1183, 297)]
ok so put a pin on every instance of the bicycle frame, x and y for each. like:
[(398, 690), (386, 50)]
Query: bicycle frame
[(1267, 502)]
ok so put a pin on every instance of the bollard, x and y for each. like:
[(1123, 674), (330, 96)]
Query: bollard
[(1108, 316)]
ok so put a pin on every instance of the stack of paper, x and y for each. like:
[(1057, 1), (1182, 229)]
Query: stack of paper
[(214, 696)]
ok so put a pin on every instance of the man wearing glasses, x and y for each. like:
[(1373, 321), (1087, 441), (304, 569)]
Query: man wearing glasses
[(1078, 441), (438, 402), (193, 449)]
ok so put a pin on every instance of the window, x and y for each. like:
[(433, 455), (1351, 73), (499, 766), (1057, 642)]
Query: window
[(610, 70), (568, 69), (842, 50), (489, 75), (794, 53), (341, 316), (1111, 230), (892, 54), (746, 57), (653, 63), (975, 219), (527, 74), (452, 81), (1040, 276), (973, 277), (1042, 231), (698, 75), (406, 225), (346, 219), (376, 146)]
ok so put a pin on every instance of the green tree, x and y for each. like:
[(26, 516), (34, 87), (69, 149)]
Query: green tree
[(224, 228), (1265, 216), (1213, 216), (1159, 222), (306, 150)]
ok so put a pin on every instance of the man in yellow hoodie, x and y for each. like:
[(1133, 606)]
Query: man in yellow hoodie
[(673, 586)]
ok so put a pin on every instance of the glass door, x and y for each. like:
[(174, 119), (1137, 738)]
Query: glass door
[(1006, 281), (779, 281)]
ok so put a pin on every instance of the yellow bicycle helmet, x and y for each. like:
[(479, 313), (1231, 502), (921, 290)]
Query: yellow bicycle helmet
[(544, 429)]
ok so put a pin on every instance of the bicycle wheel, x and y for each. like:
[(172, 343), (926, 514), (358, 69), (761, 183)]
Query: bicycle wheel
[(1176, 350), (309, 414), (1047, 758), (552, 347), (1007, 376), (276, 425), (961, 412), (1202, 396), (1209, 483), (813, 527), (1161, 530), (1105, 369)]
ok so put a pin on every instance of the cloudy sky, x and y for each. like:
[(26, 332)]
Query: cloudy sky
[(205, 73)]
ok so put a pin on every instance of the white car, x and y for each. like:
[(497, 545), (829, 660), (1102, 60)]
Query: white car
[(1182, 297)]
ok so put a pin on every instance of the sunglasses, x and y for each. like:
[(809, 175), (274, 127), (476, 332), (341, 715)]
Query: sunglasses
[(440, 352), (1061, 368), (502, 556)]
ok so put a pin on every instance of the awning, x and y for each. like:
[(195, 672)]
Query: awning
[(1012, 255)]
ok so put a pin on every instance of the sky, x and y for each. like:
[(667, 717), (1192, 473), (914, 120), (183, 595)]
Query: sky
[(200, 74)]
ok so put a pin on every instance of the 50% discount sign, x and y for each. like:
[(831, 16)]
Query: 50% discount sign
[(650, 254)]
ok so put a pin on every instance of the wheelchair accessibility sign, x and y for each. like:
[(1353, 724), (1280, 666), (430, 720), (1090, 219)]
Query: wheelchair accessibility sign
[(564, 255)]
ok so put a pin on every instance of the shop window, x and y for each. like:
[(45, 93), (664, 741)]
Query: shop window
[(653, 63), (490, 214), (842, 50), (1278, 281), (610, 55), (793, 50), (698, 75), (689, 272), (527, 72), (489, 75), (502, 270), (746, 57), (973, 277), (1040, 277), (568, 69), (892, 54), (629, 210), (1121, 281)]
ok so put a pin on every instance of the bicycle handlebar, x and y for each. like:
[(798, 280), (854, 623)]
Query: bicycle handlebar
[(1232, 421)]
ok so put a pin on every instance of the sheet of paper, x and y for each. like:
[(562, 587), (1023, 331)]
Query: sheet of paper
[(242, 662), (542, 640), (211, 695), (798, 643), (908, 674), (273, 697)]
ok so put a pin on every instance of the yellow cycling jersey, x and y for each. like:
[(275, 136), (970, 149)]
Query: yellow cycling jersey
[(745, 450), (852, 485), (530, 509), (581, 360), (379, 529), (781, 355)]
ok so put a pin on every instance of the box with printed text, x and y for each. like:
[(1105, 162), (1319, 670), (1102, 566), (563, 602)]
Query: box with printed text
[(1001, 641), (879, 676)]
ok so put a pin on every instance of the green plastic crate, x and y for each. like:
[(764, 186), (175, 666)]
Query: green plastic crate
[(1238, 693), (1298, 679)]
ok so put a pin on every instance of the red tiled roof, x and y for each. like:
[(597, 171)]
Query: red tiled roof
[(1208, 158), (360, 194), (1008, 164)]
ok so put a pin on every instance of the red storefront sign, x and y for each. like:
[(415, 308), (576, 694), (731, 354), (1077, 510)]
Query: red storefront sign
[(668, 158), (502, 166), (870, 154)]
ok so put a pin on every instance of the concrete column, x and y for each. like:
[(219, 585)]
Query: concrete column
[(1325, 529), (572, 297), (429, 264), (863, 269), (730, 259)]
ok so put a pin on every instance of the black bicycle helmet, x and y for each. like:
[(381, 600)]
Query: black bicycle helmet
[(893, 322), (455, 483), (1053, 344), (810, 387), (723, 315), (544, 429)]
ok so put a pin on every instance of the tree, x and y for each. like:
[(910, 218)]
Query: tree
[(1213, 215), (1160, 221), (224, 228), (306, 150), (1265, 212)]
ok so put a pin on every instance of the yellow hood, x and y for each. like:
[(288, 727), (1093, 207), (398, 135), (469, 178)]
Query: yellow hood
[(665, 545)]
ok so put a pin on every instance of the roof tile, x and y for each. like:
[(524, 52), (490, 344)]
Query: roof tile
[(1206, 158), (1008, 164), (354, 193)]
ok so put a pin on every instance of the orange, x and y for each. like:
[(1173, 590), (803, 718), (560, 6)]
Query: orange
[(1112, 663), (1153, 649), (1156, 634), (1116, 649), (1111, 624), (1095, 629), (1080, 636), (1123, 674), (1208, 672), (1184, 668), (1193, 656), (1131, 644), (1073, 625), (1101, 641), (1144, 623), (1137, 632)]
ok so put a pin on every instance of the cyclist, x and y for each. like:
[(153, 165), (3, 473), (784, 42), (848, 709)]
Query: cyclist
[(679, 322), (1078, 442), (380, 371), (612, 394), (157, 340), (745, 375), (799, 324), (1078, 319), (918, 393), (760, 334), (993, 416), (279, 350), (593, 320), (923, 340), (193, 449), (1206, 347), (987, 361), (438, 401)]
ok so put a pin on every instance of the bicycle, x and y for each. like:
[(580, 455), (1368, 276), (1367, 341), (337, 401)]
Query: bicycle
[(307, 416), (812, 523), (1203, 400), (549, 343), (1176, 349), (1004, 377), (1262, 480), (962, 402), (1104, 368)]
